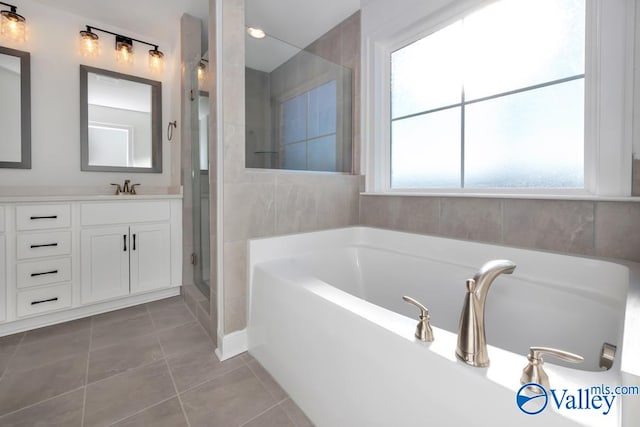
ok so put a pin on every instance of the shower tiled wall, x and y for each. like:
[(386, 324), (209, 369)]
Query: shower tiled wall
[(260, 203), (604, 229)]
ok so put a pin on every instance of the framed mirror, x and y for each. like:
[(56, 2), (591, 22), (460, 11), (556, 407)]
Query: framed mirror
[(120, 122), (15, 109)]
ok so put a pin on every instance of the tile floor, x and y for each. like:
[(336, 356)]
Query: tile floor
[(148, 365)]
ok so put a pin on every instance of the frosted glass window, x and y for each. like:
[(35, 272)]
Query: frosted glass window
[(322, 154), (428, 73), (531, 139), (529, 42), (494, 100), (426, 151)]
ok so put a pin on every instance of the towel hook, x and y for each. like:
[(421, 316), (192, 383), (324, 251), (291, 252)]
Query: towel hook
[(172, 125)]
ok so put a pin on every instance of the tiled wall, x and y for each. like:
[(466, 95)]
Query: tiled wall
[(259, 203), (341, 45), (605, 229)]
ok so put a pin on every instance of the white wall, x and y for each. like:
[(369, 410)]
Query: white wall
[(55, 112)]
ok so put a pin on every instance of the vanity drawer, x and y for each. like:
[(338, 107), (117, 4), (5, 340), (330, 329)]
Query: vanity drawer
[(124, 212), (1, 219), (37, 245), (41, 300), (43, 272), (41, 217)]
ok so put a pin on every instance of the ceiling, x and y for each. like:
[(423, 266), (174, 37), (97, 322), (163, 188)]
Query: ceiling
[(290, 25), (298, 22)]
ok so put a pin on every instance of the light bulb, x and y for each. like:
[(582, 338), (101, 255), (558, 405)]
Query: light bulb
[(256, 33), (124, 50), (89, 45), (12, 26), (156, 60)]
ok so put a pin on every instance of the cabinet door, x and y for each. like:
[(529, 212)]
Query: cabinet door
[(3, 280), (150, 257), (105, 263)]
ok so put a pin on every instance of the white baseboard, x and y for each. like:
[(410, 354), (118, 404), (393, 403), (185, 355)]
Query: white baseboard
[(232, 344)]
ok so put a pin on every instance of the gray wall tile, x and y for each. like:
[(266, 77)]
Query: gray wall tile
[(618, 230), (557, 225), (471, 219)]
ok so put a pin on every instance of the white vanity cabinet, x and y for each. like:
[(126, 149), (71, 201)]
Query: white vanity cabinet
[(62, 259), (123, 260), (125, 248)]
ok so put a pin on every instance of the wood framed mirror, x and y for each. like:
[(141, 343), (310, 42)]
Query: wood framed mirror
[(120, 122), (15, 109)]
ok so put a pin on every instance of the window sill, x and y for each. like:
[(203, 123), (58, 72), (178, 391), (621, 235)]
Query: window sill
[(529, 196)]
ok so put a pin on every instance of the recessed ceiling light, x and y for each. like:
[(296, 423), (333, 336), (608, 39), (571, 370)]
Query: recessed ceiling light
[(256, 33)]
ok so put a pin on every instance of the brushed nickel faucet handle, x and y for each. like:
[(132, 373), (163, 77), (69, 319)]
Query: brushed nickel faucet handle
[(118, 189), (534, 372), (133, 189), (423, 329)]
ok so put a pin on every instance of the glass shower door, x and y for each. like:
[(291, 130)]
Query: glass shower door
[(200, 184)]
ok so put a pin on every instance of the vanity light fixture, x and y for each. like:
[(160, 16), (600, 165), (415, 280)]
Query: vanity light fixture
[(12, 25), (89, 46), (256, 33)]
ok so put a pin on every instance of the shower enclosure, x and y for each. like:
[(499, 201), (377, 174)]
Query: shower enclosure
[(200, 177)]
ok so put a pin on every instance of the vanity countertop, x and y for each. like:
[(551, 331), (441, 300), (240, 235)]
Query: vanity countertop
[(86, 198)]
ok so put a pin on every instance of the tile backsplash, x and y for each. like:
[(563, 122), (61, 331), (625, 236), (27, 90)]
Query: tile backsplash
[(604, 229)]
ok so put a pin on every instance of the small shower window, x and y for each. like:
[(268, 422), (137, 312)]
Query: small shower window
[(309, 128), (493, 100)]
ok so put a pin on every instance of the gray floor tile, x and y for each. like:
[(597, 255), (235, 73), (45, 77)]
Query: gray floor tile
[(183, 338), (8, 346), (57, 330), (295, 413), (272, 386), (171, 316), (229, 400), (61, 411), (197, 366), (274, 417), (130, 354), (118, 331), (119, 315), (46, 350), (165, 303), (165, 414), (22, 389), (247, 357), (120, 396)]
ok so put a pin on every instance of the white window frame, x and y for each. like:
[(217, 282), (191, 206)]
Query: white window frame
[(609, 100)]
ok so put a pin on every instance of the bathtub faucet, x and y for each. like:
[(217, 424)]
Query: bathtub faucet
[(472, 341)]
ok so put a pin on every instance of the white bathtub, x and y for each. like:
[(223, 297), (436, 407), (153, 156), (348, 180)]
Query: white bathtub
[(326, 319)]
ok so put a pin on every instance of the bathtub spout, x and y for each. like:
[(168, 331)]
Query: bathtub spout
[(472, 341)]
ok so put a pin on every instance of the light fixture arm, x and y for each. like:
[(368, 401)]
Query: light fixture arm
[(90, 28), (14, 9)]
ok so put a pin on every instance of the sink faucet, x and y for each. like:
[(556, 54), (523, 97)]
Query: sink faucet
[(472, 341)]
